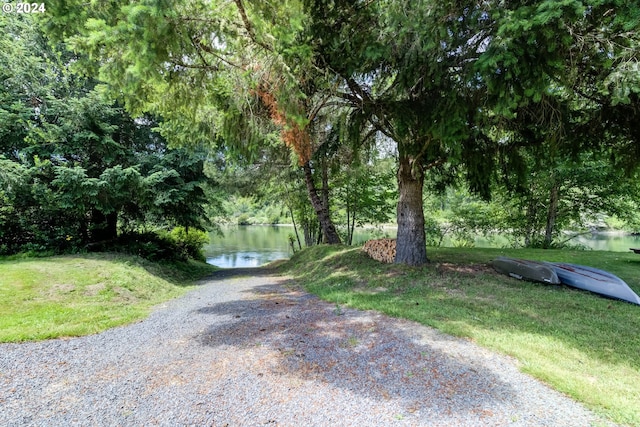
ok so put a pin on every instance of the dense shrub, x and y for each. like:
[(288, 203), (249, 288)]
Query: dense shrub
[(150, 246), (190, 242), (176, 245), (244, 219)]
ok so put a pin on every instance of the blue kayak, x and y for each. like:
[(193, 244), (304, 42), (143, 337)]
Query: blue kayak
[(594, 280)]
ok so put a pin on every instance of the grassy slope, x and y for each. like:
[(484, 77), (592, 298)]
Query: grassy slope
[(581, 344), (62, 296)]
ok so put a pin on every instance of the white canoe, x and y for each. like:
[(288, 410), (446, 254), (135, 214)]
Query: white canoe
[(594, 280)]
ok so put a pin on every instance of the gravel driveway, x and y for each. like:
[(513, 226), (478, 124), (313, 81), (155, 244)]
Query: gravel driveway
[(245, 350)]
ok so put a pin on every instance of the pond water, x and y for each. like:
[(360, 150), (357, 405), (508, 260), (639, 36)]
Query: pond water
[(255, 245), (248, 246)]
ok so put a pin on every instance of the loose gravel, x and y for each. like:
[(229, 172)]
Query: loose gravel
[(248, 349)]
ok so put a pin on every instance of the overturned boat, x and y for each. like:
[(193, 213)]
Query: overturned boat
[(524, 269), (594, 280)]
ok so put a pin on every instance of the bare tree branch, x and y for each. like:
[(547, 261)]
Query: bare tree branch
[(193, 66), (249, 27), (201, 45)]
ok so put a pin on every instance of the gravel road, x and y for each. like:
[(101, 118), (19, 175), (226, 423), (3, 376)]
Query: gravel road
[(245, 349)]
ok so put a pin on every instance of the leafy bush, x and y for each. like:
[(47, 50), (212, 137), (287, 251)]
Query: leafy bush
[(190, 242), (150, 246), (433, 231), (244, 219), (274, 219), (176, 245)]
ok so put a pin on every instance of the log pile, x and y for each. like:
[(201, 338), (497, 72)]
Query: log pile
[(383, 250)]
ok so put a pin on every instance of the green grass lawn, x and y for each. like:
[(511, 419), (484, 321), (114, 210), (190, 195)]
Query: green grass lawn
[(77, 295), (579, 343)]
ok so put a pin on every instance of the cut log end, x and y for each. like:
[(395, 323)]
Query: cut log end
[(382, 250)]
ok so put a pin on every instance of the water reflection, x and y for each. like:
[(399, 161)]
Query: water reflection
[(609, 242), (248, 246), (253, 246), (246, 259)]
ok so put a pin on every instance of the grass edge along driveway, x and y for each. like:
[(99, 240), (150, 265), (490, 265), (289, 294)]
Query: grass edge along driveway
[(74, 295), (583, 345)]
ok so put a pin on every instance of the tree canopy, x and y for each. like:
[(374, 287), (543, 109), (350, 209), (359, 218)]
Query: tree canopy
[(75, 166), (465, 89)]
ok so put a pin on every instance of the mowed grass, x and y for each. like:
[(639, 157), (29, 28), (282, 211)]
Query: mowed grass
[(581, 344), (66, 296)]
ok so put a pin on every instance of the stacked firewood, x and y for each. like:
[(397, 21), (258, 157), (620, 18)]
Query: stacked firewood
[(383, 250)]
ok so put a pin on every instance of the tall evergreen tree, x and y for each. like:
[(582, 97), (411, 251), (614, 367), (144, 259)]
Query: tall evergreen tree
[(441, 78), (230, 73), (77, 166)]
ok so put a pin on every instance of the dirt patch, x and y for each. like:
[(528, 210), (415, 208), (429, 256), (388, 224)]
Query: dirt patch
[(94, 290), (63, 288), (123, 295), (370, 291), (394, 273), (60, 288), (470, 269), (454, 292)]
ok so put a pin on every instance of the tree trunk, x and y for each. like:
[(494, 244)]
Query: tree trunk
[(350, 215), (308, 235), (529, 226), (325, 193), (348, 205), (84, 228), (411, 245), (322, 211), (352, 226), (532, 225), (104, 227), (295, 227), (293, 219), (552, 214), (325, 198)]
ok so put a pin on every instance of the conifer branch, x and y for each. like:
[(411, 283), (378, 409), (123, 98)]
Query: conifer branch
[(249, 27)]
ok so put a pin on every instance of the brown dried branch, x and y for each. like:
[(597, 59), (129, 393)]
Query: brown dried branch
[(292, 134)]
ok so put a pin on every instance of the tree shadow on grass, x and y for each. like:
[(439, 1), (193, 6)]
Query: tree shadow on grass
[(378, 358)]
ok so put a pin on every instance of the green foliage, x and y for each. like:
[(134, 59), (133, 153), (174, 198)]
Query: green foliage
[(78, 167), (434, 231), (259, 209), (149, 245), (243, 219), (568, 194), (300, 212), (467, 217), (591, 194), (158, 53), (363, 194), (467, 90), (190, 241), (179, 244), (37, 196), (461, 217)]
